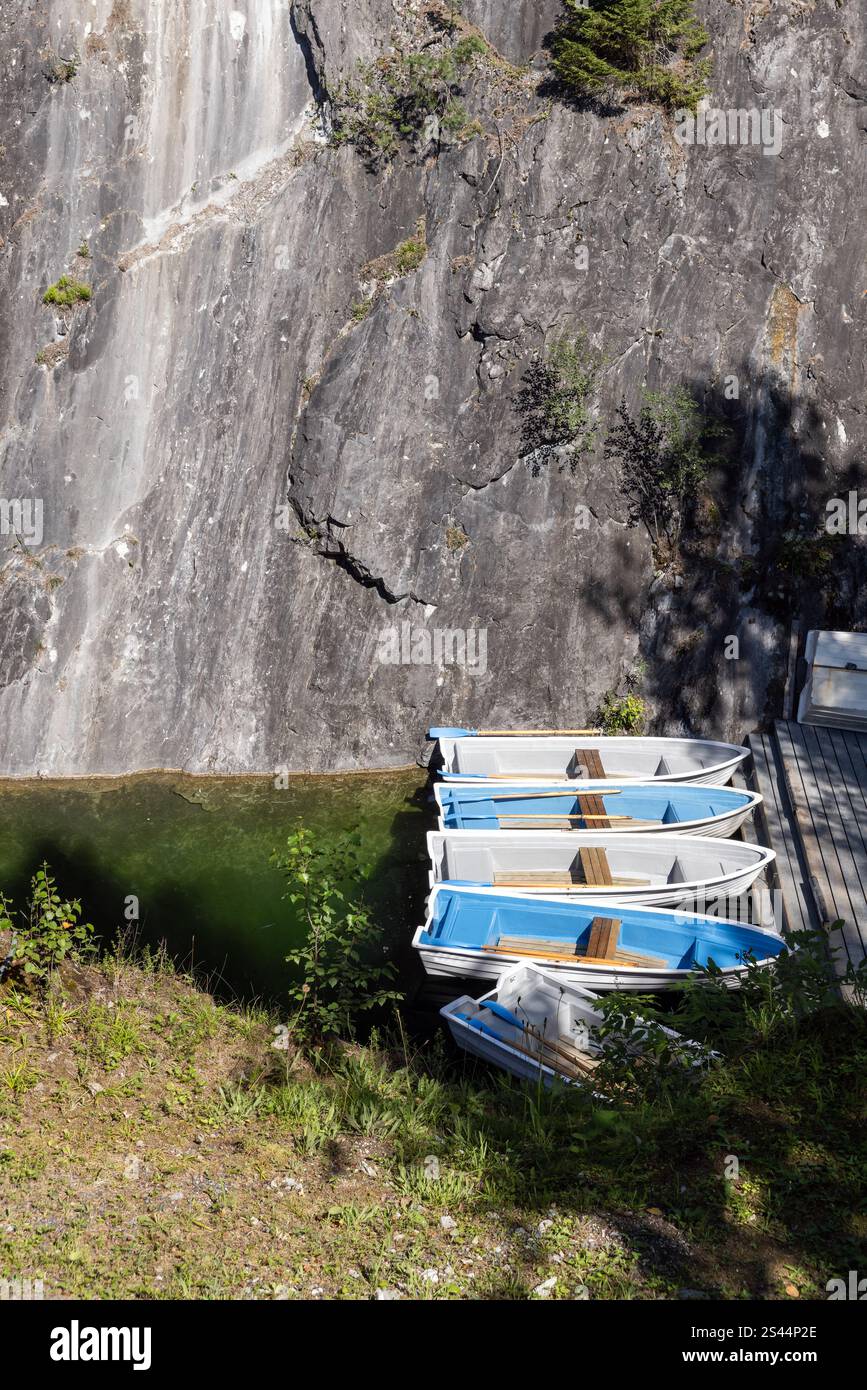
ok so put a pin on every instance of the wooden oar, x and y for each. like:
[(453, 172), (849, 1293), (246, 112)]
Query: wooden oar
[(529, 794), (552, 815), (447, 732), (566, 1061), (638, 962), (568, 1054), (555, 955), (528, 777), (525, 1026), (566, 1065), (558, 886), (555, 1060)]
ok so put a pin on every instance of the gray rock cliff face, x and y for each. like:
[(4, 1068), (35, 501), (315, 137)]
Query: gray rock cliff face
[(251, 491)]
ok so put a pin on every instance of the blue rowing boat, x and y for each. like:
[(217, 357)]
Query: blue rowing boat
[(678, 809), (470, 933)]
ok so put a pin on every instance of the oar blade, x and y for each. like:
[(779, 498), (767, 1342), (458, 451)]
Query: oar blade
[(436, 733)]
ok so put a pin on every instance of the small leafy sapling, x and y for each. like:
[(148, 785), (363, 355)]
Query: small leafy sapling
[(341, 970), (640, 1055), (45, 933)]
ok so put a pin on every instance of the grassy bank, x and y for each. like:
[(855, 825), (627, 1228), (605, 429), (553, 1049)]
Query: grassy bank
[(155, 1144)]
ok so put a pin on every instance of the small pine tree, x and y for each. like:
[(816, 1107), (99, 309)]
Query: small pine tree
[(646, 47)]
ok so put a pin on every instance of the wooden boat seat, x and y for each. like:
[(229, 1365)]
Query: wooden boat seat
[(592, 805), (532, 878), (595, 867), (590, 760), (604, 932)]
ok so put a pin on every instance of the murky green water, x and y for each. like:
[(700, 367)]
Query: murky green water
[(196, 853)]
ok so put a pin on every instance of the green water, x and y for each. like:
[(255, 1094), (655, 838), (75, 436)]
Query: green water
[(195, 852)]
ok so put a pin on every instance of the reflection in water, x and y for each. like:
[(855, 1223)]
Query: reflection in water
[(195, 852)]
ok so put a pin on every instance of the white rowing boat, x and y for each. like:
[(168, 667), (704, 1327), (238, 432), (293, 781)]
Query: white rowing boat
[(539, 1026), (662, 871), (578, 757)]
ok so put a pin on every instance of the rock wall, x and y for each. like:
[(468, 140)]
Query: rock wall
[(251, 489)]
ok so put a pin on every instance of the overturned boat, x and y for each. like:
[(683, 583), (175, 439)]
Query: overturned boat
[(534, 758), (479, 933), (649, 807), (539, 1026), (662, 871)]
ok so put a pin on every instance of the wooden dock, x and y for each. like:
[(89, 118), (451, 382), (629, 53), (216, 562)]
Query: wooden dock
[(814, 784)]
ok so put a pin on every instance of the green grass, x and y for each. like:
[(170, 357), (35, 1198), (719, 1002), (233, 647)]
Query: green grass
[(410, 254), (155, 1144)]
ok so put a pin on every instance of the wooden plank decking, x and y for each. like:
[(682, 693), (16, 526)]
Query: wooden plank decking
[(814, 784), (778, 830)]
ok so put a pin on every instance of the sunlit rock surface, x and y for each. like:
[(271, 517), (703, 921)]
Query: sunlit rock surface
[(247, 488)]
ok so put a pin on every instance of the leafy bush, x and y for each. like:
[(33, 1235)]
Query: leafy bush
[(800, 556), (625, 714), (641, 1061), (642, 1058), (339, 975), (553, 401), (403, 97), (797, 561), (67, 292), (643, 47), (803, 980), (664, 456), (47, 931)]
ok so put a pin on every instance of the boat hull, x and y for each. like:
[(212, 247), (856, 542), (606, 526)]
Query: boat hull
[(498, 1052), (550, 1009), (462, 964)]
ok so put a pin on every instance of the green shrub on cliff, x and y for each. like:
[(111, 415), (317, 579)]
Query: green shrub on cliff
[(621, 714), (402, 98), (554, 403), (644, 48), (664, 454), (67, 292)]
